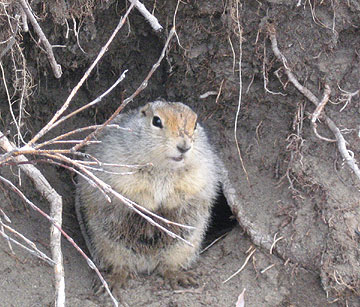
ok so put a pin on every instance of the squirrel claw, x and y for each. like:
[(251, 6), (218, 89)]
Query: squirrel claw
[(178, 278), (115, 281)]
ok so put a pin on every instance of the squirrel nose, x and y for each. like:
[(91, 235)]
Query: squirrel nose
[(183, 148)]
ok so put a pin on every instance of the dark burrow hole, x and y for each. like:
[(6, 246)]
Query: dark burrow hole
[(222, 220)]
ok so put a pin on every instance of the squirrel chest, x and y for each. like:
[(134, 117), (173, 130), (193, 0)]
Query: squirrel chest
[(171, 189)]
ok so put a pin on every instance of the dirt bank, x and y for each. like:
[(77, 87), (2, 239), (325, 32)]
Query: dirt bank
[(293, 194)]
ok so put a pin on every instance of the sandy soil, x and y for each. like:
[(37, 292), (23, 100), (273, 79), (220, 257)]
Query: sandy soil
[(27, 281)]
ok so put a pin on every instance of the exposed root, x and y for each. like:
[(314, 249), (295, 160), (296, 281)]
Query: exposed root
[(239, 29), (346, 97), (345, 153), (251, 251)]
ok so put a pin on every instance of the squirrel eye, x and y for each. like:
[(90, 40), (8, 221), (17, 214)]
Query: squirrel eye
[(157, 122)]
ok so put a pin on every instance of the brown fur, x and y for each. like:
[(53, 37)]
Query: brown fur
[(178, 186)]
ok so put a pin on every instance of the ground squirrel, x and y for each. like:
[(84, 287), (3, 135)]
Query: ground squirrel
[(178, 181)]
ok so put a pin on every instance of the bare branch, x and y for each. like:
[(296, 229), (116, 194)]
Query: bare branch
[(95, 101), (64, 107), (252, 251), (144, 84), (79, 130), (341, 142), (11, 41), (154, 23), (97, 130), (322, 104), (53, 222), (49, 51), (317, 112), (55, 200), (33, 250)]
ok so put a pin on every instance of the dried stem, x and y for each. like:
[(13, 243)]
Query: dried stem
[(49, 51), (11, 41), (321, 105), (154, 23), (53, 222), (67, 134), (95, 101), (64, 107), (55, 200), (33, 250), (144, 84), (341, 142), (97, 130), (240, 92), (317, 112), (242, 267)]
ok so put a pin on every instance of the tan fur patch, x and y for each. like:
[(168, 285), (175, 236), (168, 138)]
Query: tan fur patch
[(178, 120)]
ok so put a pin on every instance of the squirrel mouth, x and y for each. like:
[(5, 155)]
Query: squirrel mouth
[(178, 159)]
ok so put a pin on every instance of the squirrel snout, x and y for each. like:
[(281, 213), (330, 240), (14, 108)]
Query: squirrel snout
[(184, 147)]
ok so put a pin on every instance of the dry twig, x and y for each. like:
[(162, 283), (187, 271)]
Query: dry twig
[(274, 243), (154, 23), (53, 222), (55, 200), (319, 108), (49, 51), (252, 251), (64, 107), (267, 268), (240, 90), (144, 84), (214, 242), (33, 250), (95, 101), (15, 155)]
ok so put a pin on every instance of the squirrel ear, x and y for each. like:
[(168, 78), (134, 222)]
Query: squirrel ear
[(160, 99), (144, 109)]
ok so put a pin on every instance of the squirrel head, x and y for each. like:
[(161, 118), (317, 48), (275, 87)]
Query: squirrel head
[(173, 129)]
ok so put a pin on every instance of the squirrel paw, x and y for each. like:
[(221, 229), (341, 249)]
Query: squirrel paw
[(116, 281), (179, 278)]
